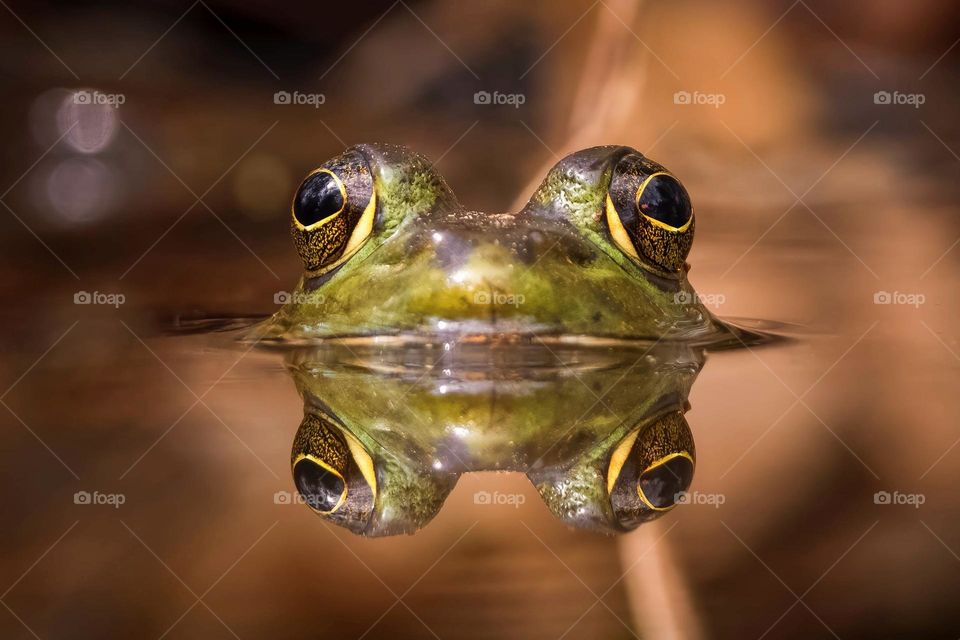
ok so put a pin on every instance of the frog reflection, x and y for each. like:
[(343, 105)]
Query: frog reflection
[(601, 434)]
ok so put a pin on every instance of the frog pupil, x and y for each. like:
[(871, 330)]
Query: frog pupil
[(665, 199), (320, 488), (661, 484), (319, 197)]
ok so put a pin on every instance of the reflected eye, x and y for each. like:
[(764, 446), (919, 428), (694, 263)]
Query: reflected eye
[(333, 213), (333, 472), (664, 480), (320, 197), (649, 215), (649, 470), (323, 488)]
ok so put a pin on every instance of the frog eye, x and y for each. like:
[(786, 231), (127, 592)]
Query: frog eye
[(333, 213), (322, 487), (650, 470), (333, 473), (320, 197), (653, 224), (662, 482)]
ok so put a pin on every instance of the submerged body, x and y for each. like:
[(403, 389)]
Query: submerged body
[(599, 251)]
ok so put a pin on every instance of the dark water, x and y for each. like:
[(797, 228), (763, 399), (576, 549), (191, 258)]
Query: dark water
[(192, 433)]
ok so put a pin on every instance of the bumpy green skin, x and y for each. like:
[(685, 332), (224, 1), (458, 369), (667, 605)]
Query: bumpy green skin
[(432, 268), (423, 430)]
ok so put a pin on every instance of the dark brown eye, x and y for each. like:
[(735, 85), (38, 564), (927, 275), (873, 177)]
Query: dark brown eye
[(321, 196), (333, 212), (664, 480), (663, 199), (323, 488), (649, 215)]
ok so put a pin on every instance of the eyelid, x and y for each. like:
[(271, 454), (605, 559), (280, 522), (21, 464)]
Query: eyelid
[(619, 232), (619, 457), (662, 225), (362, 459)]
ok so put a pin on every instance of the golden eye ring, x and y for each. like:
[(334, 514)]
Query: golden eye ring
[(618, 232)]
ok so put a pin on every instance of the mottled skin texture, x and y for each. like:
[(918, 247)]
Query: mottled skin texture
[(422, 431), (432, 268)]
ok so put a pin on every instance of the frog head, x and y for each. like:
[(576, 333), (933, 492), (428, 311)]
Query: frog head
[(599, 250)]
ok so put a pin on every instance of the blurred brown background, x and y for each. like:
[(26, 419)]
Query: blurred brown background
[(151, 150)]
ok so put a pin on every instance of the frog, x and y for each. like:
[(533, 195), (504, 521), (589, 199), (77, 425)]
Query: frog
[(388, 431), (598, 253)]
